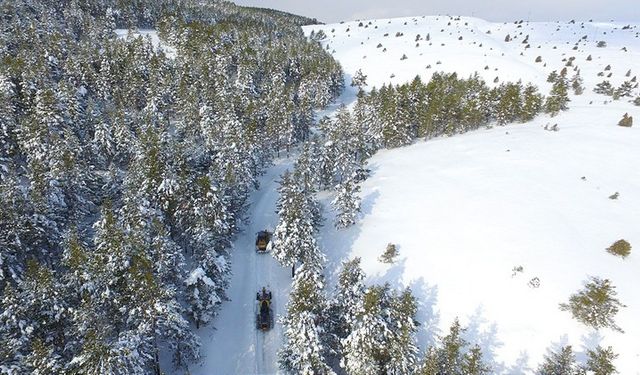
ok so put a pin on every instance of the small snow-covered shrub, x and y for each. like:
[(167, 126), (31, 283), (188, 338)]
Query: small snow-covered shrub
[(626, 121), (621, 248), (596, 305), (604, 88), (515, 270), (534, 282), (601, 44), (404, 57), (539, 59), (389, 255), (614, 195)]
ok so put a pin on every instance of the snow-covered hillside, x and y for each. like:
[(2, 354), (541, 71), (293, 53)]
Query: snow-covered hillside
[(466, 210)]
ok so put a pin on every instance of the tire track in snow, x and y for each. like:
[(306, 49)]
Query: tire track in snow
[(235, 346)]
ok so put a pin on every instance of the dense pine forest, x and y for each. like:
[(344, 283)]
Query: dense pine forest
[(124, 171), (127, 165)]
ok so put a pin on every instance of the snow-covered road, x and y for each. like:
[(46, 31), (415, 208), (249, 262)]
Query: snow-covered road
[(235, 346)]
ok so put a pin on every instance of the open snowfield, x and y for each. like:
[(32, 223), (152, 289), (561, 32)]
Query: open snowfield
[(466, 210), (153, 37)]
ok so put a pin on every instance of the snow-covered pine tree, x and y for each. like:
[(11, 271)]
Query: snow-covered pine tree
[(576, 84), (429, 365), (367, 125), (625, 90), (402, 349), (343, 307), (558, 97), (294, 237), (532, 103), (604, 88), (307, 165), (560, 362), (600, 361), (8, 142), (473, 363), (451, 351), (396, 131), (347, 203), (596, 305), (507, 109), (304, 350), (364, 349), (359, 79)]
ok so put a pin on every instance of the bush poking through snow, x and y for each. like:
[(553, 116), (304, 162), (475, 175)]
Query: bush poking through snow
[(390, 253), (576, 84), (596, 305), (604, 88), (515, 270), (620, 248), (626, 121), (614, 195)]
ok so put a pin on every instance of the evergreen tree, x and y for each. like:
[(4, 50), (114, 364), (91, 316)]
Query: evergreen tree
[(347, 203), (559, 363), (364, 349), (508, 107), (576, 84), (532, 105), (402, 349), (304, 351), (600, 361), (604, 88), (343, 307), (596, 305), (293, 239), (359, 79), (558, 97)]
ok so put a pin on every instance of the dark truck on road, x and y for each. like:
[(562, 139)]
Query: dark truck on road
[(264, 313)]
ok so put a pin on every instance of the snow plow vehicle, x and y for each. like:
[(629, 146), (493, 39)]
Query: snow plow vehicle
[(264, 313), (262, 241)]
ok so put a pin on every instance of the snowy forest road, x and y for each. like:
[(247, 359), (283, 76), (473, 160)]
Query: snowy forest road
[(235, 346)]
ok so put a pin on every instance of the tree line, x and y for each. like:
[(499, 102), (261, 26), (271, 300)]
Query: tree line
[(125, 170)]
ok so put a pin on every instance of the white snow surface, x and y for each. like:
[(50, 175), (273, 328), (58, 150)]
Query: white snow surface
[(153, 37), (235, 346), (465, 210)]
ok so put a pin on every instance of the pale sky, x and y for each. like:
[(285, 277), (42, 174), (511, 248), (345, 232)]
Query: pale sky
[(330, 11)]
